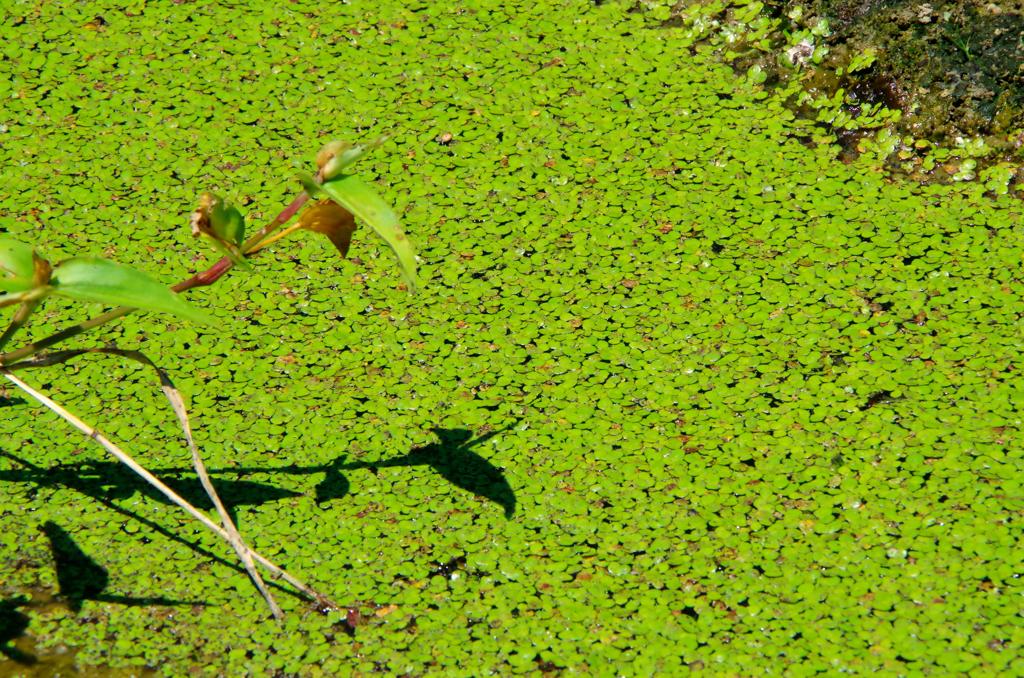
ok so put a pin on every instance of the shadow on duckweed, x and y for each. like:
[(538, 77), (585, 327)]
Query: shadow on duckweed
[(65, 476), (30, 661), (13, 624), (451, 457), (109, 480), (22, 657), (79, 579)]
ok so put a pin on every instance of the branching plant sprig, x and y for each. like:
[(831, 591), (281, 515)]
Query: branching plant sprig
[(27, 279)]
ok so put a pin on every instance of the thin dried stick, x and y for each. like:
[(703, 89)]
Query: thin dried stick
[(127, 460), (241, 548), (178, 405)]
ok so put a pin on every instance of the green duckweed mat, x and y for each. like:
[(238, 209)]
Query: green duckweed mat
[(679, 391)]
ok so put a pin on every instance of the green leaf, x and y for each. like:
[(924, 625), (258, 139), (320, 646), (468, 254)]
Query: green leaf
[(17, 266), (227, 222), (361, 200), (99, 280), (221, 223)]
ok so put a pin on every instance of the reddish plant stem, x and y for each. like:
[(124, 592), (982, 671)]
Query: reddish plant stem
[(207, 277), (213, 274), (286, 214)]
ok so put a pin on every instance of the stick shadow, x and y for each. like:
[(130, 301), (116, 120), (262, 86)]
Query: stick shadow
[(110, 480)]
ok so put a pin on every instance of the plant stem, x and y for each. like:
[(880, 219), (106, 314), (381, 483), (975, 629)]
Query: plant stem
[(277, 236), (241, 548), (282, 218), (18, 321), (66, 333), (207, 277), (128, 461)]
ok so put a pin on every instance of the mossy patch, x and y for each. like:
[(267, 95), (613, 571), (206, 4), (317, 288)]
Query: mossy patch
[(958, 66), (852, 72)]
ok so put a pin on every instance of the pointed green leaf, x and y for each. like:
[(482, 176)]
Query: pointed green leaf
[(102, 281), (361, 200), (17, 266)]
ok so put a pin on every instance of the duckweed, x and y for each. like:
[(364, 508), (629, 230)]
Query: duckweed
[(680, 391)]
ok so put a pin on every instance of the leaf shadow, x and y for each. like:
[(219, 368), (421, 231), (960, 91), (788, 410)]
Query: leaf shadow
[(80, 578), (452, 457), (12, 626)]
